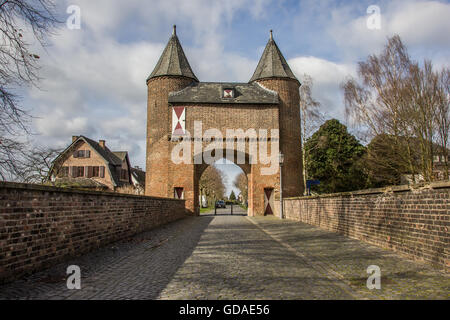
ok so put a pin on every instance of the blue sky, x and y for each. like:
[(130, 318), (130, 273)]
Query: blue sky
[(93, 79)]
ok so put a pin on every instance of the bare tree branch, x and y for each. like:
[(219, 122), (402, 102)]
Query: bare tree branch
[(401, 99), (18, 69), (241, 182), (212, 183), (311, 118), (37, 164)]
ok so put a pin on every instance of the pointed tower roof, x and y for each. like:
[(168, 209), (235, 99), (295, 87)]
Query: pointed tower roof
[(272, 64), (173, 61)]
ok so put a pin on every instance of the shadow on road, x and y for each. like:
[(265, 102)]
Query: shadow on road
[(139, 267)]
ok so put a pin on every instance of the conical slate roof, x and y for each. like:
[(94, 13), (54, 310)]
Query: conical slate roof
[(173, 61), (272, 64)]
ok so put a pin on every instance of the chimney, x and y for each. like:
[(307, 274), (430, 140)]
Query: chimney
[(74, 138), (101, 143)]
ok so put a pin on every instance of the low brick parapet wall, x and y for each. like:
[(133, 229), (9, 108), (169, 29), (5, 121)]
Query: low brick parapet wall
[(41, 226), (414, 221)]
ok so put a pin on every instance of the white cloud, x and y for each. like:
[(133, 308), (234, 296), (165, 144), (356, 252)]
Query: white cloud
[(94, 78), (419, 24), (327, 77), (51, 125), (131, 126), (93, 84)]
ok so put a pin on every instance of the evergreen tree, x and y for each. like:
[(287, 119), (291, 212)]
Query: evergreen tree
[(334, 158), (232, 196)]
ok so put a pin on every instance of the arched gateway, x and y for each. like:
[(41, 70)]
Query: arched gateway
[(191, 124)]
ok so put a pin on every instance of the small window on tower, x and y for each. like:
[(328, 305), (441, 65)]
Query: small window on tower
[(228, 93)]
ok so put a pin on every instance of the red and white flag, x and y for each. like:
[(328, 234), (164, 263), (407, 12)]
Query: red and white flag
[(178, 121)]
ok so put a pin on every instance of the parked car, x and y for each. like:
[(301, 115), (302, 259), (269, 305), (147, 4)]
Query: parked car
[(220, 204)]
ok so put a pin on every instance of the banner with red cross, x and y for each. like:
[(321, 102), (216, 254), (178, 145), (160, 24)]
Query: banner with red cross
[(178, 121)]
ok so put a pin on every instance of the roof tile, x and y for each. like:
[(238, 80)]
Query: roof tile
[(212, 92), (272, 64), (173, 61)]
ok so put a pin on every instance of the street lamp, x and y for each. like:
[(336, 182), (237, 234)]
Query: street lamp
[(281, 160)]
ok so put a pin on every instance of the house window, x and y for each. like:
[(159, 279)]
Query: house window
[(80, 172), (228, 93), (88, 172), (123, 174), (82, 154), (93, 171)]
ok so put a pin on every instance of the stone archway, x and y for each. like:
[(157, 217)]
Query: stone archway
[(199, 169)]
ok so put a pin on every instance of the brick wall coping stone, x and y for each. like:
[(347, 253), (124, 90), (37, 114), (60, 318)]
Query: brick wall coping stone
[(390, 189), (38, 187)]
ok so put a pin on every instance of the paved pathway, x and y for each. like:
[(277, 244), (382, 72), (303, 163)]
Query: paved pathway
[(236, 257)]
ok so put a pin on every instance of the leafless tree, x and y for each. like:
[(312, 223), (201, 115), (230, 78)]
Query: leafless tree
[(241, 182), (402, 99), (19, 20), (212, 183), (36, 165), (442, 117), (311, 117), (383, 161), (11, 158)]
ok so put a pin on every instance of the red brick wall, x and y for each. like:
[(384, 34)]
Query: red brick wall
[(41, 226), (290, 133), (223, 117), (158, 129), (163, 175), (411, 222)]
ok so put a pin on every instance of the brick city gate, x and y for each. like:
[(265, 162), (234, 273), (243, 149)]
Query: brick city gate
[(191, 124)]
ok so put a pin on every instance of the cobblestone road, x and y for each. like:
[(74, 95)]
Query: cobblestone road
[(236, 257)]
